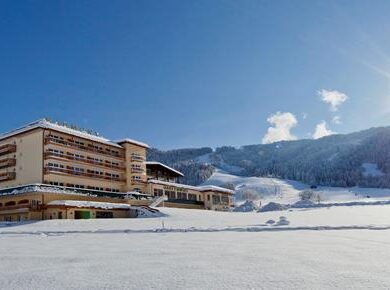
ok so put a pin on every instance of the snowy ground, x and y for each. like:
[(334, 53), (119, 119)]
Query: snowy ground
[(336, 247), (287, 191)]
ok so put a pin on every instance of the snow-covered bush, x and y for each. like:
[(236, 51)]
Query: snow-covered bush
[(310, 195), (273, 206), (247, 206)]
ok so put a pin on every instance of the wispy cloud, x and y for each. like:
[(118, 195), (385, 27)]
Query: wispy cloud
[(281, 125), (334, 98), (336, 120), (322, 130)]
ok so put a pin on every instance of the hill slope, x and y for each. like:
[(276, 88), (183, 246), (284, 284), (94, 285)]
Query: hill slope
[(357, 159)]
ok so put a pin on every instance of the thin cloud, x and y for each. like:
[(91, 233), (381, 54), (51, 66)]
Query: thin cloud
[(322, 130), (336, 120), (280, 130), (334, 98)]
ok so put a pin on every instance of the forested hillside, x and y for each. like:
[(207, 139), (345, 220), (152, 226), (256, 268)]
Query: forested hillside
[(357, 159), (184, 160)]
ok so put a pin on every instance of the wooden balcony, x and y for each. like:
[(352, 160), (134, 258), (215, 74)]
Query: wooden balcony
[(136, 158), (21, 206), (7, 148), (58, 156), (137, 181), (55, 170), (7, 176), (137, 170), (8, 162), (64, 143)]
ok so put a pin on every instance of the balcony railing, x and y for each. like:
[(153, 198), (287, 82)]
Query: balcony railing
[(137, 158), (54, 155), (50, 140), (7, 148), (7, 176), (55, 170), (20, 206), (137, 170), (138, 181), (9, 162)]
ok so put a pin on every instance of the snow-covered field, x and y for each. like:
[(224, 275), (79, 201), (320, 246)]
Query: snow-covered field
[(287, 191), (336, 247)]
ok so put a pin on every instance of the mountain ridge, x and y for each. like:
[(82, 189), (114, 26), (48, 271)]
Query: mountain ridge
[(335, 160)]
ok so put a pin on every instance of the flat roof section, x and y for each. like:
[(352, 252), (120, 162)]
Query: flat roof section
[(198, 188)]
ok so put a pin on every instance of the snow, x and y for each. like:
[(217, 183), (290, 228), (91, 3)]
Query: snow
[(339, 247), (269, 189), (198, 188), (90, 204), (273, 206), (247, 206), (287, 191), (371, 169), (132, 141), (42, 123)]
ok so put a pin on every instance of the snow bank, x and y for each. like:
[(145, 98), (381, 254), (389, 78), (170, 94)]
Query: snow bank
[(303, 204), (247, 206), (273, 206)]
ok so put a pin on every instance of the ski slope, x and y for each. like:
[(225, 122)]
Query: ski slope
[(287, 191)]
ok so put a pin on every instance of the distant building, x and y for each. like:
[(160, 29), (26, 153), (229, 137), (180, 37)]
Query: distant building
[(44, 166)]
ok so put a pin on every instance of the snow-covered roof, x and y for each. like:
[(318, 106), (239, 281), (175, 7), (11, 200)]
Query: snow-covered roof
[(127, 140), (215, 188), (165, 166), (43, 123), (198, 188), (89, 204), (39, 187)]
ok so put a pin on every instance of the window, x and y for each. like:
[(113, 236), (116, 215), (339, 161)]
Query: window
[(56, 183), (56, 151), (104, 214), (55, 165), (192, 196), (76, 169), (181, 195), (170, 194), (158, 192), (216, 199), (96, 188)]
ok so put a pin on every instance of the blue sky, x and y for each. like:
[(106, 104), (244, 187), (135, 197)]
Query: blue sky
[(196, 73)]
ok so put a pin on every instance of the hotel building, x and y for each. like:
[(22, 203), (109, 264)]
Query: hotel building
[(44, 165)]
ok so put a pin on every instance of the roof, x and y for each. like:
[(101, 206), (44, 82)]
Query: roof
[(135, 142), (44, 124), (89, 204), (198, 188), (215, 188), (38, 187), (165, 166)]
